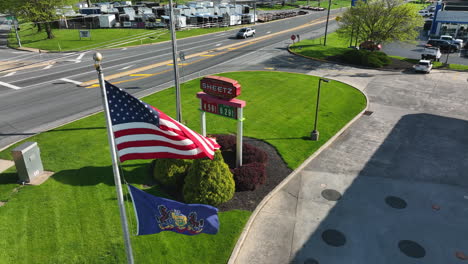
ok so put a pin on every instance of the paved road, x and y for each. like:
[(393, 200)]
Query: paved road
[(401, 173), (36, 99)]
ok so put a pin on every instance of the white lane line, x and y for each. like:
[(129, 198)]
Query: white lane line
[(217, 45), (10, 74), (10, 85), (124, 49), (126, 67), (18, 52), (268, 32), (70, 81), (48, 67), (79, 57)]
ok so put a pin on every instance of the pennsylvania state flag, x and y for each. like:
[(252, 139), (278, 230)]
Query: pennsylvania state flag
[(155, 214)]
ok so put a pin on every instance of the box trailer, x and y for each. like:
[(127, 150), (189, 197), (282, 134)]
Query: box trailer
[(107, 21)]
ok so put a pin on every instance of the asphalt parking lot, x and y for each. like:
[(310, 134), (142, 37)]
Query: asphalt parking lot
[(414, 50)]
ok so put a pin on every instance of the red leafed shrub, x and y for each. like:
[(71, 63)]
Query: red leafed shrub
[(252, 154), (227, 142), (252, 173), (249, 176)]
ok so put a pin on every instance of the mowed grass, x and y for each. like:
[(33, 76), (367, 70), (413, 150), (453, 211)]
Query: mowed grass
[(69, 39), (335, 4), (314, 47), (74, 218)]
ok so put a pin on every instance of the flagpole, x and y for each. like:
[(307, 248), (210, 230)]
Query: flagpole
[(110, 137), (174, 61)]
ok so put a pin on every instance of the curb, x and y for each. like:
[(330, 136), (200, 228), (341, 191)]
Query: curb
[(246, 229)]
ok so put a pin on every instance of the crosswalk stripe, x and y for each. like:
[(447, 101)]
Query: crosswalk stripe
[(10, 85), (70, 81)]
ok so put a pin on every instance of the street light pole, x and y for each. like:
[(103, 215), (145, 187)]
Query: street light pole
[(315, 134), (174, 61), (326, 25)]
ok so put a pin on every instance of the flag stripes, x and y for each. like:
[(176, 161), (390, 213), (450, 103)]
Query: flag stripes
[(142, 131)]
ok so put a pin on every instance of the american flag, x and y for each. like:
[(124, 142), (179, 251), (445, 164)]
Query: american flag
[(143, 132)]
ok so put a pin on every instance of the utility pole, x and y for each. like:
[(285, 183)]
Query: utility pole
[(326, 25), (174, 62), (15, 24)]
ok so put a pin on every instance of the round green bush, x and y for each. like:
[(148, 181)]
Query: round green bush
[(209, 182), (171, 172)]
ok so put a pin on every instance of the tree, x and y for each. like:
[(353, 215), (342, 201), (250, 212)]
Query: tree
[(381, 21), (39, 11)]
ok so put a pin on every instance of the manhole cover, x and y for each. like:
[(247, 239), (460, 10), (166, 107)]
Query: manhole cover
[(311, 261), (395, 202), (331, 195), (333, 237), (368, 113), (411, 249)]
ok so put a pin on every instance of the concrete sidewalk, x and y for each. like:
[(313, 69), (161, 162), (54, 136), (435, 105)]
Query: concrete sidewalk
[(392, 189)]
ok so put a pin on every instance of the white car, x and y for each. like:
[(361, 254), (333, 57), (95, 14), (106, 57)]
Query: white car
[(245, 33), (423, 66)]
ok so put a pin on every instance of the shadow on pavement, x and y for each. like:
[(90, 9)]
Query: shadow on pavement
[(407, 205)]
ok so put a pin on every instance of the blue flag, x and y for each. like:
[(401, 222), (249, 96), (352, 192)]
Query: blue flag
[(155, 214)]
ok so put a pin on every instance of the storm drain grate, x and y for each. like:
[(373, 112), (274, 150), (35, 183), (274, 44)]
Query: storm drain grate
[(368, 113)]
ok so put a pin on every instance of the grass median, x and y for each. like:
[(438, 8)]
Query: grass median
[(74, 218)]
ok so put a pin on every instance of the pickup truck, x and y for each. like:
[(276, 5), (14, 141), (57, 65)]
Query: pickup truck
[(431, 53), (449, 38), (423, 66), (426, 13), (245, 33)]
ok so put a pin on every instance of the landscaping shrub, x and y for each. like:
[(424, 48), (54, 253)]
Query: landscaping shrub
[(171, 172), (249, 176), (227, 142), (209, 181), (374, 59), (252, 154)]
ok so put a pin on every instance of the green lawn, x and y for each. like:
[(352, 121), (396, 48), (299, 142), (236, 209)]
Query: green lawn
[(335, 4), (73, 217), (314, 47), (336, 46), (69, 39)]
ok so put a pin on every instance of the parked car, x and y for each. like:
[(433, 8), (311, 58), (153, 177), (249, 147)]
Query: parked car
[(444, 45), (245, 33), (449, 38), (423, 66), (431, 53), (370, 45)]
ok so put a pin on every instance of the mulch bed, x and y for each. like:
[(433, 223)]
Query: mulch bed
[(276, 170), (394, 65)]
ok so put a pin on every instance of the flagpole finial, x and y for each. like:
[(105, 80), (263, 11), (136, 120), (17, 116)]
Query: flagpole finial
[(97, 59)]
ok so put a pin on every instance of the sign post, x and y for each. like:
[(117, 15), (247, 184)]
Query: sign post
[(219, 98), (293, 37)]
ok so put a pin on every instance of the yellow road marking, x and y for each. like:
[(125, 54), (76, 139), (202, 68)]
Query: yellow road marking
[(141, 74), (181, 64), (89, 84), (269, 68)]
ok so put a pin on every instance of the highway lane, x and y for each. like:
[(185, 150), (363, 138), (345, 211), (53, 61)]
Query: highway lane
[(47, 101)]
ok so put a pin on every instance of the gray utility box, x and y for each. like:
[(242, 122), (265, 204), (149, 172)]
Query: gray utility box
[(28, 161)]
